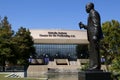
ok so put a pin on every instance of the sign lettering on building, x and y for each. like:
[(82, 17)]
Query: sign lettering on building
[(57, 34)]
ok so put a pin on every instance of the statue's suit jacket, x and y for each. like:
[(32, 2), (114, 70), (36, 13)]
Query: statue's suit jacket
[(94, 26)]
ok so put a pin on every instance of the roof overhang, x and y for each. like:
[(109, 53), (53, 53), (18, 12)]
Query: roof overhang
[(59, 36)]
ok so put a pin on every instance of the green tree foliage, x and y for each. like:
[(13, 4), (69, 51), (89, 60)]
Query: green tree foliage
[(14, 48), (23, 45), (115, 67), (110, 45), (5, 41)]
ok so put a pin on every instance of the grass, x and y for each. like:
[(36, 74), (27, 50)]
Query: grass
[(2, 77)]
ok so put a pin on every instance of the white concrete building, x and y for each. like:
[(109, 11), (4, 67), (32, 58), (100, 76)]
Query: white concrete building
[(60, 48), (56, 43), (59, 36)]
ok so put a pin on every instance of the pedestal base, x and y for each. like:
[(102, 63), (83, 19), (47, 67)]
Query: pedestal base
[(94, 75)]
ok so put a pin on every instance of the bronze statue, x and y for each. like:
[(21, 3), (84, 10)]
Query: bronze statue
[(94, 33)]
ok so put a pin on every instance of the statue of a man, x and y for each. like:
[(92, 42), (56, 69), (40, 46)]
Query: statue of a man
[(94, 33)]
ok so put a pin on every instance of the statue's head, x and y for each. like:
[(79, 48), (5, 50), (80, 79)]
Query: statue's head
[(89, 6)]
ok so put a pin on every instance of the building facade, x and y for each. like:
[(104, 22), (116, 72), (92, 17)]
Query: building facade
[(58, 43)]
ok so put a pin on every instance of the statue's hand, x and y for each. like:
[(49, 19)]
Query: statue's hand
[(81, 25)]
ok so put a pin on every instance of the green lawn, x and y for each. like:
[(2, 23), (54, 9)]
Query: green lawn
[(2, 77)]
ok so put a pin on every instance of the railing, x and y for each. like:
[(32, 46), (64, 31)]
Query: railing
[(12, 68)]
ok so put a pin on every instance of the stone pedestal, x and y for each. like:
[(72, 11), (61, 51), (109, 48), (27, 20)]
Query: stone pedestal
[(94, 75)]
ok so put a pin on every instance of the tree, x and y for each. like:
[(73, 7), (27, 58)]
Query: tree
[(23, 45), (5, 41), (110, 45), (14, 48)]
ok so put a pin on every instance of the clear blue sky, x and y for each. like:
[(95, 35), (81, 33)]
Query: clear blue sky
[(55, 14)]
